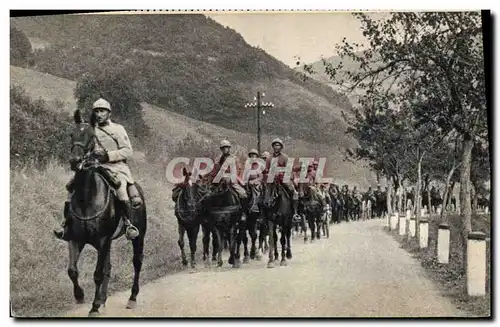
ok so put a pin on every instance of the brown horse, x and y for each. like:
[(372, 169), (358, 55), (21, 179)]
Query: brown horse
[(94, 219)]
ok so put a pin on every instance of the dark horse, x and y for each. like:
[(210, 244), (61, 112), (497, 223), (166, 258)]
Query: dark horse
[(224, 213), (278, 214), (252, 223), (336, 204), (188, 210), (313, 211), (94, 219)]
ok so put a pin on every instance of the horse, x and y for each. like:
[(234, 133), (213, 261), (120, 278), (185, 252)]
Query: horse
[(188, 211), (94, 219), (251, 224), (354, 207), (313, 211), (224, 213), (278, 214), (380, 203), (346, 205), (299, 221), (336, 204)]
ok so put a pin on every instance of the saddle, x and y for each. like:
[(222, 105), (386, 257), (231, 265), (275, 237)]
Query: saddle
[(75, 206)]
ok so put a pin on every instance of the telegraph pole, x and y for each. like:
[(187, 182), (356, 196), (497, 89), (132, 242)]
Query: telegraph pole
[(259, 105)]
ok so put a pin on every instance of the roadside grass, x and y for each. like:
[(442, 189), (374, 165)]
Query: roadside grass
[(449, 279)]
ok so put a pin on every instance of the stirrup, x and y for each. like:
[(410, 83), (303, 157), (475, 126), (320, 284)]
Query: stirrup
[(131, 232)]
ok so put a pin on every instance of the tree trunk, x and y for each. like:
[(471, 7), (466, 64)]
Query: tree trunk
[(448, 192), (400, 196), (388, 196), (429, 204), (465, 205), (418, 203), (473, 198)]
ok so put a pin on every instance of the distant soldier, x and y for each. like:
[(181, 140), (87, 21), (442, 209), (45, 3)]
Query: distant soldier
[(225, 148), (254, 178), (282, 160)]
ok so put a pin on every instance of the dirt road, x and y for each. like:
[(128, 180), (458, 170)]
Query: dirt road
[(359, 272)]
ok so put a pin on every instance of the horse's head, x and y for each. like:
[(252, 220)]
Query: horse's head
[(82, 139), (189, 196)]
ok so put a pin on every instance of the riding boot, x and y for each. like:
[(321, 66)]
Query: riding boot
[(62, 231), (126, 214)]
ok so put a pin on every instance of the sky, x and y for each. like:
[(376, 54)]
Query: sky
[(286, 35)]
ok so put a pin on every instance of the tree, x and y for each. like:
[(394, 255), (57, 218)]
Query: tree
[(114, 81), (20, 48), (433, 60)]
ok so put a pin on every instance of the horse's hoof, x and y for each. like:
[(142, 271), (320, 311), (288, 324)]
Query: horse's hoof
[(80, 300), (184, 262), (283, 263), (193, 265), (258, 257), (131, 304), (231, 260), (236, 264), (220, 263), (252, 256), (214, 259), (305, 239), (94, 314), (246, 259), (270, 265), (289, 255)]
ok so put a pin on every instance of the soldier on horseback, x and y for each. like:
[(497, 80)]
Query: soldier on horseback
[(282, 160), (112, 149), (225, 148)]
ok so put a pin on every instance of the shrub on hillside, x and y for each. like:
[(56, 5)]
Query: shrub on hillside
[(36, 134), (20, 48)]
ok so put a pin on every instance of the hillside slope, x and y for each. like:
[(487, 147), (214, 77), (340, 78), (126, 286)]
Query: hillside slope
[(169, 128), (191, 65)]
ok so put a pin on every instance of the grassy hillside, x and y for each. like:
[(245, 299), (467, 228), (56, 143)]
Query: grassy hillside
[(191, 65)]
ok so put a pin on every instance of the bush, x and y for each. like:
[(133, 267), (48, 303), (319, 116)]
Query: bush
[(36, 134), (20, 48), (114, 81)]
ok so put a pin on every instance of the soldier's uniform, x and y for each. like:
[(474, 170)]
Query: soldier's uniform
[(237, 187), (254, 178), (112, 139), (281, 161)]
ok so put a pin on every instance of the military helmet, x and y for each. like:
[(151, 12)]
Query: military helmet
[(101, 104), (225, 143), (265, 154), (253, 151), (277, 140)]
